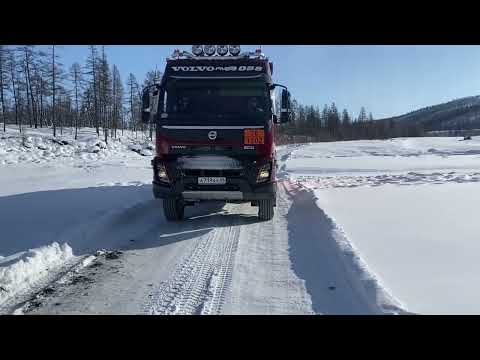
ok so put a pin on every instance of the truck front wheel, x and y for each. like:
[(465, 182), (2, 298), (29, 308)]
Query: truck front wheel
[(265, 209), (173, 209)]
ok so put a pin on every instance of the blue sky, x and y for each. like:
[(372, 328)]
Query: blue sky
[(387, 80)]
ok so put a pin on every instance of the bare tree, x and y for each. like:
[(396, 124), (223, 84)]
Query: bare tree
[(53, 91), (12, 65), (117, 92), (28, 59), (91, 66), (41, 76), (105, 84), (76, 76), (133, 93), (57, 77), (3, 82)]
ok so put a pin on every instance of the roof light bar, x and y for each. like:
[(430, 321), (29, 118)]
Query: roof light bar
[(209, 51)]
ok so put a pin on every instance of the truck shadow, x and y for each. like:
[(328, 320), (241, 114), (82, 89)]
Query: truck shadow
[(91, 219)]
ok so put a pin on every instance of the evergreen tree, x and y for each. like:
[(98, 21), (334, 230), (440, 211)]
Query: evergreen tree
[(346, 121), (362, 116)]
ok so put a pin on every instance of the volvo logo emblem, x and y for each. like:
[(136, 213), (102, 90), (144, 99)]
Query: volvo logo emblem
[(212, 135)]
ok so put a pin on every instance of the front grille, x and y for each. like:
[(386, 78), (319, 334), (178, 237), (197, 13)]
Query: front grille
[(223, 148), (200, 148), (203, 148), (214, 173), (196, 187)]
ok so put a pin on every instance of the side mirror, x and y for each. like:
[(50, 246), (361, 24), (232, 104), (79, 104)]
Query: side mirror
[(150, 101), (146, 105), (154, 102), (285, 107)]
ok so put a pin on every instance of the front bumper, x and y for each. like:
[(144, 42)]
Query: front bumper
[(243, 191), (241, 184)]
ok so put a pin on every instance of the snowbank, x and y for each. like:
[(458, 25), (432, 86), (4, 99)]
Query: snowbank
[(21, 271), (39, 145)]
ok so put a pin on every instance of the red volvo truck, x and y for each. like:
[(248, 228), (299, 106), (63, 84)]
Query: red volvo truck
[(215, 114)]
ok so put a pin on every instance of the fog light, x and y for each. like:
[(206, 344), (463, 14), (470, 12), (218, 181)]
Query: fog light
[(162, 173), (264, 173)]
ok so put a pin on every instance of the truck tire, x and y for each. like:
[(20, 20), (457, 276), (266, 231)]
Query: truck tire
[(173, 209), (265, 209)]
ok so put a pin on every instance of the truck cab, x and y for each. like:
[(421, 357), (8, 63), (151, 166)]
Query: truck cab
[(215, 116)]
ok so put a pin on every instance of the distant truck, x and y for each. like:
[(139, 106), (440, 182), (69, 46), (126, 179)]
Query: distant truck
[(215, 114)]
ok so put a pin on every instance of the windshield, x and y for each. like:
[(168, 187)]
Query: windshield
[(210, 101)]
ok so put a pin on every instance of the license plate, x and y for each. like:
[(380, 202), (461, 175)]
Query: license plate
[(212, 181)]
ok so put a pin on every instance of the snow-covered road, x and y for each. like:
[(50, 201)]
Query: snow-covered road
[(221, 260), (361, 227), (116, 253)]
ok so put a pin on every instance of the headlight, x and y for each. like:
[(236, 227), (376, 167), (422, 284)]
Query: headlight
[(209, 49), (197, 50), (264, 172), (234, 49), (162, 173), (222, 50)]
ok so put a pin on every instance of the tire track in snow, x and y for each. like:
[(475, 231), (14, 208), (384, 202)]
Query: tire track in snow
[(198, 283)]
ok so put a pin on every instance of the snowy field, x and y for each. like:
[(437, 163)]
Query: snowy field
[(361, 227), (409, 208)]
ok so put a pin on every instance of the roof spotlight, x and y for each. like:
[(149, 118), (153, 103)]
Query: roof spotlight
[(234, 49), (222, 50), (197, 50), (209, 49)]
